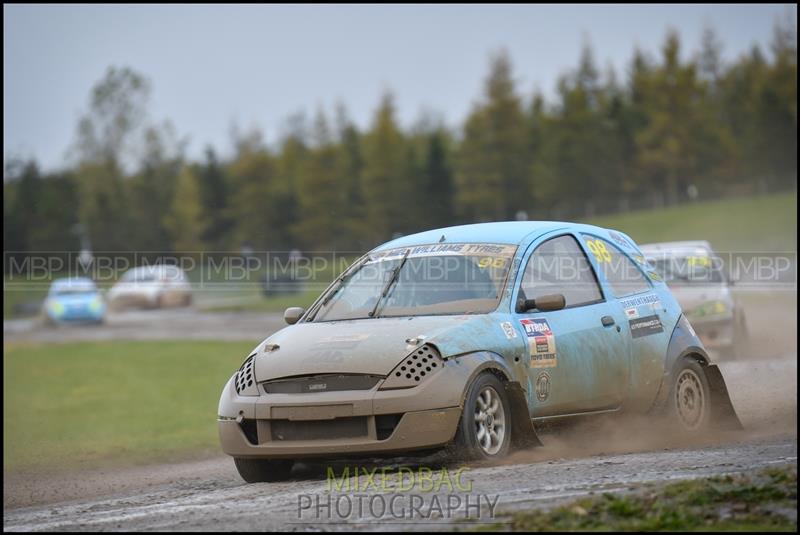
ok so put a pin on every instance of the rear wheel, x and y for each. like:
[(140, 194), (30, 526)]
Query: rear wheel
[(484, 431), (690, 397), (263, 470)]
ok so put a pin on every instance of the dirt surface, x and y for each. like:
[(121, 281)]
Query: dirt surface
[(161, 324), (599, 455), (210, 496)]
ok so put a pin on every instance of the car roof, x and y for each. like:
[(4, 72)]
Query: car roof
[(500, 232), (677, 248), (72, 281), (154, 268)]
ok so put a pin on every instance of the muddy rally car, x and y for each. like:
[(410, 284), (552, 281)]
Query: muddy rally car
[(464, 338)]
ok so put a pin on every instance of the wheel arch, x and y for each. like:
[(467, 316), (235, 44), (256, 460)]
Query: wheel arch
[(523, 433), (685, 344)]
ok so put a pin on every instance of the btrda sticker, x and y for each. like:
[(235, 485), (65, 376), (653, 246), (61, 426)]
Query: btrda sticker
[(541, 343)]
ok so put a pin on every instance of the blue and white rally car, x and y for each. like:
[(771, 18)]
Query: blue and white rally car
[(466, 337), (74, 300)]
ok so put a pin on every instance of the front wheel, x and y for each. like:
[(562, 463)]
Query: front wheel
[(484, 431), (690, 397), (263, 470)]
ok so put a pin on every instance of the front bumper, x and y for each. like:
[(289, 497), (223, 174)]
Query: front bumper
[(325, 424), (133, 299), (415, 430), (77, 316)]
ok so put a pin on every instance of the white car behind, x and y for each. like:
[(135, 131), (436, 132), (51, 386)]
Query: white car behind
[(151, 287), (694, 273)]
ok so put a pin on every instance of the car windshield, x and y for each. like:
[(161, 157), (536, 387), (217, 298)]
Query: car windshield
[(419, 281), (74, 289), (693, 269), (139, 276)]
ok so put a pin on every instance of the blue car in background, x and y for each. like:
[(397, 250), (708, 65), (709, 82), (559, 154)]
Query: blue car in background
[(74, 300)]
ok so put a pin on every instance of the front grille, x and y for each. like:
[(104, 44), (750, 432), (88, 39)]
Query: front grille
[(319, 429), (321, 383)]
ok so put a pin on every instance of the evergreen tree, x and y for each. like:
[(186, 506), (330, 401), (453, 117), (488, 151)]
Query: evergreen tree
[(385, 190), (493, 163)]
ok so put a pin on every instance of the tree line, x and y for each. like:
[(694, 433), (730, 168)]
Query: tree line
[(671, 129)]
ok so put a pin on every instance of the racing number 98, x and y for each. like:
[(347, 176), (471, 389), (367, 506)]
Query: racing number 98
[(488, 261), (598, 249)]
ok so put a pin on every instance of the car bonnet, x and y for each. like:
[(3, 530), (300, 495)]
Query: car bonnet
[(371, 346)]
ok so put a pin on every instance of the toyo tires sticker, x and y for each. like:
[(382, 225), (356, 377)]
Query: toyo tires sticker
[(541, 343)]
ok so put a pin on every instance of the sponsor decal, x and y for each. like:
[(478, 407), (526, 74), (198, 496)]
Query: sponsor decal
[(317, 386), (654, 276), (645, 326), (619, 239), (657, 306), (445, 249), (638, 300), (509, 329), (632, 313), (543, 386), (541, 343)]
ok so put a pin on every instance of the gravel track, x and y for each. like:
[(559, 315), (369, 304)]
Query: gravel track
[(602, 455)]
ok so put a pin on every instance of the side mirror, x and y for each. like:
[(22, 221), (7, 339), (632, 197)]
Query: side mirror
[(545, 303), (293, 314)]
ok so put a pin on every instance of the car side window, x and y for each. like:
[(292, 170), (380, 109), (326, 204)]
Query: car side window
[(559, 266), (622, 273)]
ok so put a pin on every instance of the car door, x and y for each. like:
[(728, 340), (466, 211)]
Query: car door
[(579, 354), (647, 319)]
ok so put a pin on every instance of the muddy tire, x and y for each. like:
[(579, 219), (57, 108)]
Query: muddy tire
[(689, 403), (263, 470), (484, 430)]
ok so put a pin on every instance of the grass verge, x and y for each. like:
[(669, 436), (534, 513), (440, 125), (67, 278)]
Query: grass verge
[(76, 405), (753, 224), (762, 501)]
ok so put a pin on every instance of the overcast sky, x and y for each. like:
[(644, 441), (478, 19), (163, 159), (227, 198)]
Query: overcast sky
[(213, 65)]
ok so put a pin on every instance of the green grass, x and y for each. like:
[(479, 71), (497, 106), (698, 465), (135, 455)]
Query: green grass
[(14, 295), (748, 502), (75, 405), (268, 304), (757, 224)]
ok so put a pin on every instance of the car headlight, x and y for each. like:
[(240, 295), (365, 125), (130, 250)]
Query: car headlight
[(96, 304), (55, 307), (711, 308), (417, 366)]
